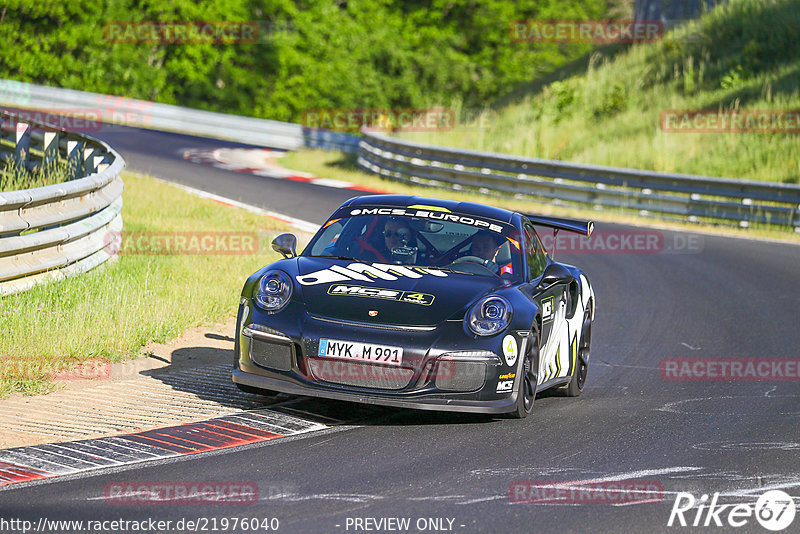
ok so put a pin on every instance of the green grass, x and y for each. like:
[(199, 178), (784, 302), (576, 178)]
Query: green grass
[(110, 313), (743, 55), (14, 176)]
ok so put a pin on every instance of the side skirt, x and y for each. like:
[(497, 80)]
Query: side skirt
[(555, 382)]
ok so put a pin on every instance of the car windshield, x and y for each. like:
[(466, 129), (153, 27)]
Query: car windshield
[(450, 241)]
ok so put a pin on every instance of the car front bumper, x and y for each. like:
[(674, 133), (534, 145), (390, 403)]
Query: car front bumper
[(442, 368)]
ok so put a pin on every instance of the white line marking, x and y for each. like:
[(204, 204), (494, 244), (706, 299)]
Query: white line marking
[(672, 407), (299, 224), (639, 474), (438, 498), (637, 502), (328, 182), (351, 497), (484, 499), (762, 489), (609, 364)]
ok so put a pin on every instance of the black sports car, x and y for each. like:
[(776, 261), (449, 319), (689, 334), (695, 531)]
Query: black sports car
[(419, 303)]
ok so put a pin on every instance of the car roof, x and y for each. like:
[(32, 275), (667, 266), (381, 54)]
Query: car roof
[(456, 206)]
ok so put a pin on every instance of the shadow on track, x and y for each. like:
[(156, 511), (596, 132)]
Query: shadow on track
[(205, 372)]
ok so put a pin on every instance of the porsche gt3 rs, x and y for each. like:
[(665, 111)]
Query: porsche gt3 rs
[(418, 303)]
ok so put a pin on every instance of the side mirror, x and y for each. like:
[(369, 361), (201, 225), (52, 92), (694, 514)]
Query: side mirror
[(555, 274), (286, 244)]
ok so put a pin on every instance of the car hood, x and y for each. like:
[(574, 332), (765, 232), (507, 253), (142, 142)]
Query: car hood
[(386, 294)]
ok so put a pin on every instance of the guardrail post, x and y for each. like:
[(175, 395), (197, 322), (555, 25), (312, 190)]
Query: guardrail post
[(88, 160), (22, 139), (75, 159), (102, 162), (50, 147)]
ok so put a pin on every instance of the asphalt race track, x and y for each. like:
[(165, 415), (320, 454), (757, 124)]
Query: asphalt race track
[(695, 296)]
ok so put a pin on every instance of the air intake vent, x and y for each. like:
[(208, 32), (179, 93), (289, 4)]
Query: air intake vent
[(457, 375), (363, 375), (277, 356)]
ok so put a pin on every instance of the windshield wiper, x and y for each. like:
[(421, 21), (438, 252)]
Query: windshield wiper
[(431, 267), (338, 258)]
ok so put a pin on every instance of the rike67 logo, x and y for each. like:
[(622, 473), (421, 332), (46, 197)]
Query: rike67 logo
[(774, 510)]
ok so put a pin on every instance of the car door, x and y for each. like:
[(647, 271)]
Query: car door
[(554, 350)]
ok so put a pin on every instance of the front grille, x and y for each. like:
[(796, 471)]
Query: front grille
[(271, 355), (365, 375), (456, 375)]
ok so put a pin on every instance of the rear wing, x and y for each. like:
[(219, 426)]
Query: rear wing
[(584, 228)]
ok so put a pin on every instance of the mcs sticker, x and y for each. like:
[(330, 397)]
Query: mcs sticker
[(504, 386), (547, 310)]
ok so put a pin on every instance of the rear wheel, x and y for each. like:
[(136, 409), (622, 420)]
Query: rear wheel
[(526, 393), (581, 369)]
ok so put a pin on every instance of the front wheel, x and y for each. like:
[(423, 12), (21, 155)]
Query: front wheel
[(529, 380), (581, 368)]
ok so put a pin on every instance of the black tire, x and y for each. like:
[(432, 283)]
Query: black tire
[(575, 387), (526, 393), (256, 391)]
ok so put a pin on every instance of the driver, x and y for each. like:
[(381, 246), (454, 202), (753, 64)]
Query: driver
[(396, 233), (398, 244), (484, 245)]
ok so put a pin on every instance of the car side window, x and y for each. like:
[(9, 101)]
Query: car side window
[(534, 252), (327, 241)]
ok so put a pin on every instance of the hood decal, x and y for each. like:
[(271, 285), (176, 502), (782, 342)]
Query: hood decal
[(365, 273), (412, 297), (402, 294)]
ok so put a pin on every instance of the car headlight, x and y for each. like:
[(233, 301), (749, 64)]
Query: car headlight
[(489, 316), (273, 291)]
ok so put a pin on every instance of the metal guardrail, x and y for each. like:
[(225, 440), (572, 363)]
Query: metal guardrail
[(58, 230), (165, 117), (689, 197)]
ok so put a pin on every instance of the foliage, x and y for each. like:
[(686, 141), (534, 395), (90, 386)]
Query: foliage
[(311, 54), (743, 55)]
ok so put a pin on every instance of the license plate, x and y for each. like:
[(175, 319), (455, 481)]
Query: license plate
[(349, 350)]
